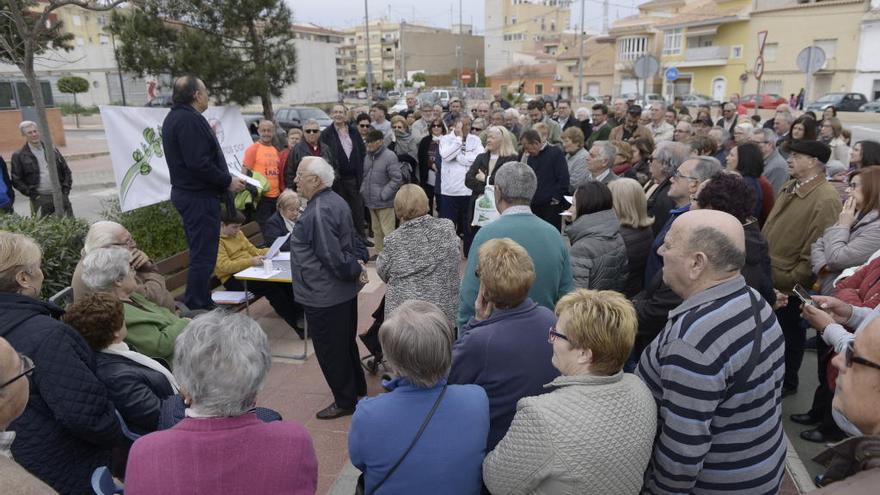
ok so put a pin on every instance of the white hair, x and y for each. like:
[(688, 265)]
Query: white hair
[(321, 168), (101, 234), (25, 124), (103, 267), (582, 113), (221, 360), (511, 113)]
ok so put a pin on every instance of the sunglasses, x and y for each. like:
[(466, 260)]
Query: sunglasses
[(476, 129), (436, 125), (363, 126), (553, 335), (27, 368), (311, 131), (850, 357)]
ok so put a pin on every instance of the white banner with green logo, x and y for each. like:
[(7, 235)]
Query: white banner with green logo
[(134, 136)]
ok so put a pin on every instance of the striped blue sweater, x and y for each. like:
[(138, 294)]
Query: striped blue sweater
[(716, 435)]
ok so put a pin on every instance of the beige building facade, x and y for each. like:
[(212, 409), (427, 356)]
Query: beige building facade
[(513, 27), (791, 26)]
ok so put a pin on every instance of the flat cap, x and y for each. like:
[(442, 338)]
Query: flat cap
[(815, 149)]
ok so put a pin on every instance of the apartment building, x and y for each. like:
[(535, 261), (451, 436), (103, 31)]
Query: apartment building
[(513, 27)]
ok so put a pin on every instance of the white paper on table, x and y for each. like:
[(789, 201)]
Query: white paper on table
[(282, 256), (249, 180), (257, 272), (230, 296), (566, 213), (276, 246)]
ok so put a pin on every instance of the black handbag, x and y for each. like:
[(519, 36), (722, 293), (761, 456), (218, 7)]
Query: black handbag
[(360, 490)]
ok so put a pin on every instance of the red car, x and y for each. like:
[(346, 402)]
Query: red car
[(763, 101)]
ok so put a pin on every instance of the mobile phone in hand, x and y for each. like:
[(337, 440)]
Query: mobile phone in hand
[(803, 295)]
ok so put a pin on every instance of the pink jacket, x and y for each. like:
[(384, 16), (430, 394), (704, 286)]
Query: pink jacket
[(237, 455)]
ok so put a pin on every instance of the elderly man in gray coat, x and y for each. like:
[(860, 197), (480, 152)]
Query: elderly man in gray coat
[(775, 166), (382, 179), (326, 271)]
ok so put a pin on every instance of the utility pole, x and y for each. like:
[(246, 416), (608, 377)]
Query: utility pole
[(581, 57), (402, 54), (118, 69), (604, 16), (369, 61), (460, 47)]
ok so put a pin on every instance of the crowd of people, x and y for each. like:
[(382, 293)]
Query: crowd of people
[(602, 300)]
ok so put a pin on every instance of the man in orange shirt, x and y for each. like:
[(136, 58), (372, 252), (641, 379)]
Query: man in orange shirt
[(262, 157)]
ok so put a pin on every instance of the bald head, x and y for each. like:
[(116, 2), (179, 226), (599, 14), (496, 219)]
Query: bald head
[(702, 249), (718, 235)]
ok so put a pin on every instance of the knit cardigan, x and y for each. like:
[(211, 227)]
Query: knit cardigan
[(593, 434), (235, 254)]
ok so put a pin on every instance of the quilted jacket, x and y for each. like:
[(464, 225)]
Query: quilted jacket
[(593, 434), (68, 426), (598, 254), (382, 179), (136, 391), (638, 245), (841, 247), (862, 288)]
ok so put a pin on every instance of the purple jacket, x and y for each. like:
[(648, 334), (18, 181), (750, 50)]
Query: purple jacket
[(238, 455)]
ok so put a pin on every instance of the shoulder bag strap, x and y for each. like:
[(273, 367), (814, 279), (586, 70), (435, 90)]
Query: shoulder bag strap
[(413, 444), (746, 370)]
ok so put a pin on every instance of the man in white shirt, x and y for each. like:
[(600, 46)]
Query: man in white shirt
[(458, 150), (660, 129)]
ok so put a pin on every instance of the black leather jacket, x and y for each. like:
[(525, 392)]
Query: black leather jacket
[(26, 172)]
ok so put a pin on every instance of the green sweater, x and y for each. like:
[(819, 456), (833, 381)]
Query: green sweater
[(546, 248), (152, 329)]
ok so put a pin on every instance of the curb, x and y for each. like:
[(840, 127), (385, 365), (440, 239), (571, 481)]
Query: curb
[(795, 467), (93, 186), (85, 156)]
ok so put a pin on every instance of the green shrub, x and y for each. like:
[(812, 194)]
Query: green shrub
[(157, 229), (61, 239), (72, 108)]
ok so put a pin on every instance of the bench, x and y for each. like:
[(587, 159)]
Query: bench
[(176, 268)]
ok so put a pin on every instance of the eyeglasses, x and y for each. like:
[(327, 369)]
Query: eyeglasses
[(311, 131), (678, 175), (27, 368), (850, 357), (439, 126), (476, 129), (363, 126), (553, 335)]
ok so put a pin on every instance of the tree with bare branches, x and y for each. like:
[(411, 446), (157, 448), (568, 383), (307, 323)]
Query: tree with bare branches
[(27, 30)]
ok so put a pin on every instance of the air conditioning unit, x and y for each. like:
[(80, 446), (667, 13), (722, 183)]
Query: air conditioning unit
[(557, 77)]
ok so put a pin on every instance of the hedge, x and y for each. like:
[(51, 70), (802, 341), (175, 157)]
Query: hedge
[(157, 229), (61, 239)]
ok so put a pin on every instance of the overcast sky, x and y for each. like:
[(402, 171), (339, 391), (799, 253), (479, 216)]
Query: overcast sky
[(347, 13)]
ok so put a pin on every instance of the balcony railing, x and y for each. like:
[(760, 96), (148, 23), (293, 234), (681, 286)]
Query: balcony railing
[(707, 53)]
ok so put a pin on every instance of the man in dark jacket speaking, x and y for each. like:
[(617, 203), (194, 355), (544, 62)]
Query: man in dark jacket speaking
[(326, 271), (199, 178)]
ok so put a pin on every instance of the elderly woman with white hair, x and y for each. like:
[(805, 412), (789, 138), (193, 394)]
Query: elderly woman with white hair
[(150, 283), (424, 433), (152, 329), (221, 446), (281, 222)]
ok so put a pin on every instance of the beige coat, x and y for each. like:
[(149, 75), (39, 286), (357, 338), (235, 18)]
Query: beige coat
[(794, 224), (641, 132), (593, 434), (16, 480)]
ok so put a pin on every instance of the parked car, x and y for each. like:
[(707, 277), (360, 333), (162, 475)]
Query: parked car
[(442, 97), (631, 96), (592, 100), (843, 102), (763, 101), (291, 117), (873, 106), (397, 107), (652, 98), (431, 98), (160, 102), (696, 100), (252, 121), (393, 95)]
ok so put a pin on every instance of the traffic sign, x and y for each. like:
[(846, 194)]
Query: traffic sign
[(671, 74), (811, 59), (759, 67), (646, 66), (762, 39)]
